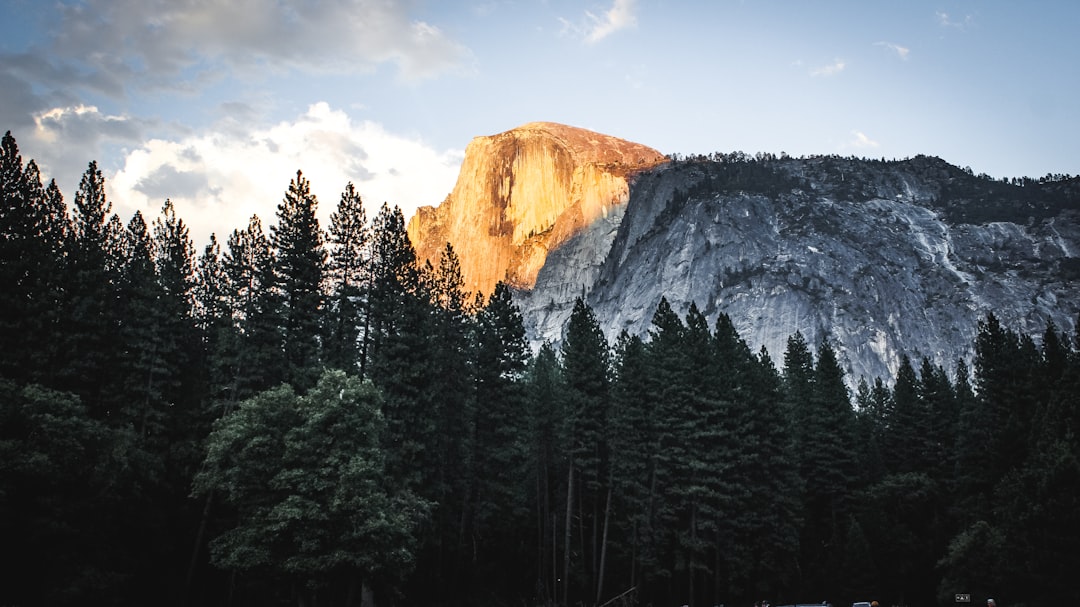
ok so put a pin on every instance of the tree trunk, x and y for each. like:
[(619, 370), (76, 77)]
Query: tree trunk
[(569, 533), (603, 549), (198, 544)]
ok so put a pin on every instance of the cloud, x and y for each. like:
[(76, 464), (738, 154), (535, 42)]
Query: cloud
[(861, 141), (901, 51), (115, 46), (597, 27), (219, 178), (64, 139), (832, 69), (946, 20), (619, 16)]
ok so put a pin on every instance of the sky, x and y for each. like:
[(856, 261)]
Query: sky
[(216, 104)]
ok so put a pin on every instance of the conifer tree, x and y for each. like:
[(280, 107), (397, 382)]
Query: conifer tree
[(399, 350), (254, 358), (669, 391), (833, 472), (213, 318), (33, 225), (634, 445), (144, 368), (586, 368), (300, 265), (907, 446), (347, 273), (499, 473), (548, 459), (174, 263), (91, 317)]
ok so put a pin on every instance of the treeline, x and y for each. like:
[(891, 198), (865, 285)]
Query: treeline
[(958, 193), (310, 417)]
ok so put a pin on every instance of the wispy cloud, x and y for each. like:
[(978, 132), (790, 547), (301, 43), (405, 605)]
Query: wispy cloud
[(620, 16), (831, 69), (947, 20), (901, 51), (861, 141)]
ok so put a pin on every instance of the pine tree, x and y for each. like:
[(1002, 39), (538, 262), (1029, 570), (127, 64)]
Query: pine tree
[(254, 359), (907, 444), (399, 351), (174, 263), (347, 274), (834, 474), (33, 225), (669, 391), (88, 364), (499, 473), (634, 445), (548, 459), (299, 268), (586, 368), (142, 338), (213, 318)]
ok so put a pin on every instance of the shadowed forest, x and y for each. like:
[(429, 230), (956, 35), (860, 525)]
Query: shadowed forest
[(304, 416)]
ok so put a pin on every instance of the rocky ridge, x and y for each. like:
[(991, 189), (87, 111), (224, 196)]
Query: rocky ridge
[(524, 193), (883, 258)]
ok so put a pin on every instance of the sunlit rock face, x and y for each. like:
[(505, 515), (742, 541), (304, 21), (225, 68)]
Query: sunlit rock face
[(882, 258), (524, 193)]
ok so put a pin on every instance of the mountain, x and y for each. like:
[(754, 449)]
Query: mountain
[(883, 258), (523, 193)]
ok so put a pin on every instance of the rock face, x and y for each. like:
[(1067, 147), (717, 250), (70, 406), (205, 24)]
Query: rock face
[(524, 193), (883, 258)]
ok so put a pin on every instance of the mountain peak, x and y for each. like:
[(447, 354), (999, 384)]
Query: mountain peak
[(521, 194)]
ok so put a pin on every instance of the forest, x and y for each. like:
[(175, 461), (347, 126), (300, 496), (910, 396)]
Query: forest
[(301, 416)]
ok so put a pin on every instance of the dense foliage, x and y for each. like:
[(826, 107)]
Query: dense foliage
[(311, 416)]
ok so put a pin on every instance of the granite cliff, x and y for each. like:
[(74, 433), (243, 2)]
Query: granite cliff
[(523, 193), (883, 258)]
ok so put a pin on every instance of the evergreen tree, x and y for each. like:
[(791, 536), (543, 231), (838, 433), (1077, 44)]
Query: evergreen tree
[(299, 268), (548, 459), (214, 320), (586, 368), (834, 473), (634, 445), (347, 274), (144, 369), (907, 446), (669, 391), (763, 485), (499, 474), (33, 225), (88, 363), (254, 358), (395, 284), (939, 402), (181, 383)]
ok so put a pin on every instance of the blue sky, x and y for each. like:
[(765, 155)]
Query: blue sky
[(217, 103)]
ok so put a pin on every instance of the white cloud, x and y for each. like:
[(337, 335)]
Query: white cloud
[(901, 51), (597, 27), (861, 141), (217, 179), (832, 69)]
